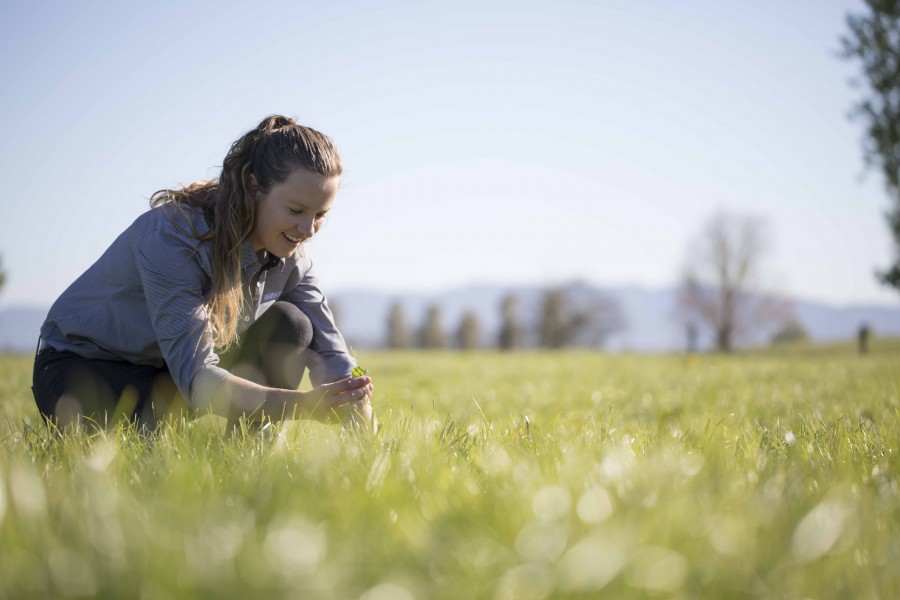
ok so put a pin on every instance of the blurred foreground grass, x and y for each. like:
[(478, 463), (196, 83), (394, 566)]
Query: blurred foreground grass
[(509, 476)]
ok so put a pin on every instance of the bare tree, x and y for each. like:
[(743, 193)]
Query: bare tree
[(398, 332), (721, 285), (468, 335), (510, 336), (2, 274), (874, 40), (589, 321), (432, 332)]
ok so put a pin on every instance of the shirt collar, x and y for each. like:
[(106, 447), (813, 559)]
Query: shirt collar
[(272, 261), (249, 259)]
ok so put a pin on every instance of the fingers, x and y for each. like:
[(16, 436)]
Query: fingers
[(352, 405), (343, 385), (353, 396), (340, 400), (338, 395)]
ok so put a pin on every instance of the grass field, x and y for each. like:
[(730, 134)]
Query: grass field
[(504, 476)]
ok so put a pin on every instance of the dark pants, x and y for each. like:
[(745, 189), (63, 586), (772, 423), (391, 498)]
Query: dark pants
[(69, 388)]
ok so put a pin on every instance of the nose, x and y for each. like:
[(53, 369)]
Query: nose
[(306, 227)]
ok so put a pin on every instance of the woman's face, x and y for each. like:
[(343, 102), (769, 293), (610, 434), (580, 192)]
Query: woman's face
[(292, 211)]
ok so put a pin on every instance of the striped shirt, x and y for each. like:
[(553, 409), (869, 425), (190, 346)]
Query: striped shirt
[(144, 301)]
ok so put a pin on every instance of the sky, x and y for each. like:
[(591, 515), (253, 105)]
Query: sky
[(512, 142)]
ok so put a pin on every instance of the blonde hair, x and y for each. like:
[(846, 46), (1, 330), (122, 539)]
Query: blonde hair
[(270, 152)]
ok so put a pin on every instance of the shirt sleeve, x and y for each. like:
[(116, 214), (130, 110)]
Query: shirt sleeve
[(329, 359), (173, 283)]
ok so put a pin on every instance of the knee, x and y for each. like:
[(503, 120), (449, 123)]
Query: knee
[(292, 326)]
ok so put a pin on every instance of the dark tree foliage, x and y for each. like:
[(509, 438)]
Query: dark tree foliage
[(874, 40), (510, 336), (468, 335), (398, 331), (432, 332), (563, 321), (791, 332), (557, 327)]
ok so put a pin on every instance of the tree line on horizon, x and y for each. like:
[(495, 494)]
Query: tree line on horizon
[(722, 292), (561, 321)]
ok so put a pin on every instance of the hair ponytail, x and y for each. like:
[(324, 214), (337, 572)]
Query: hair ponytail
[(270, 152)]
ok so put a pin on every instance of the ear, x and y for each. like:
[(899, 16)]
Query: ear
[(252, 185)]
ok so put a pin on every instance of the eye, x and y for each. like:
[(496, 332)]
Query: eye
[(321, 215), (296, 211)]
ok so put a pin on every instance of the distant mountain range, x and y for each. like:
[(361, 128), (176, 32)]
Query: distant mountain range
[(651, 316)]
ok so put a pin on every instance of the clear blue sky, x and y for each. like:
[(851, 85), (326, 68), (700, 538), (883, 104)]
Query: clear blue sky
[(521, 141)]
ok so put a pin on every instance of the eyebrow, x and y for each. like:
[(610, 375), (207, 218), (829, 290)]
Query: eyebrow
[(297, 203)]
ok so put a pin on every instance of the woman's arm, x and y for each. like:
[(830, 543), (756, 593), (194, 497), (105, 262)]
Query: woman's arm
[(329, 358), (341, 401)]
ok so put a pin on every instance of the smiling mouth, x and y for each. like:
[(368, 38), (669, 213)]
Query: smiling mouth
[(291, 239)]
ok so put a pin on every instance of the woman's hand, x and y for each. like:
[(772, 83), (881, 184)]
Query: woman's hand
[(344, 401)]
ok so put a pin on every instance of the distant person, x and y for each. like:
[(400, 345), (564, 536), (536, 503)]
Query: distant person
[(209, 302), (863, 338)]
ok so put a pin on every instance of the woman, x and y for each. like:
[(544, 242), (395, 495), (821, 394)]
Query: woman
[(209, 298)]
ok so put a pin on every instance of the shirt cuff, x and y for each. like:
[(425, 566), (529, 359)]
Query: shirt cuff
[(325, 370)]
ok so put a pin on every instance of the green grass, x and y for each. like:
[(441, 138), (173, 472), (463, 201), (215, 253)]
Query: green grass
[(506, 476)]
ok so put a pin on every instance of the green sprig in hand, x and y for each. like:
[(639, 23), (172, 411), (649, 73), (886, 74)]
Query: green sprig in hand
[(357, 371)]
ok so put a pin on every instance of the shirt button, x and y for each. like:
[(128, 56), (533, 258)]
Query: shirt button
[(246, 318)]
